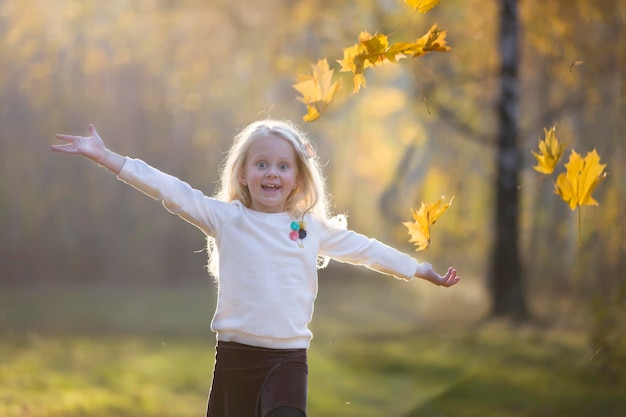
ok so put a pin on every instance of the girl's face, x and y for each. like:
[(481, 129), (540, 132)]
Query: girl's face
[(270, 173)]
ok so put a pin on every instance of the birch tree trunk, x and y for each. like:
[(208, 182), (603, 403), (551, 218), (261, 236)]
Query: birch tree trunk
[(505, 274)]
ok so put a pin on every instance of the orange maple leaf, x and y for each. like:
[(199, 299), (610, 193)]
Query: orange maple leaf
[(317, 89), (426, 216), (550, 152)]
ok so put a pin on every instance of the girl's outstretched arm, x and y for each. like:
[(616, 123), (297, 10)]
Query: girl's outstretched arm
[(92, 147), (426, 271)]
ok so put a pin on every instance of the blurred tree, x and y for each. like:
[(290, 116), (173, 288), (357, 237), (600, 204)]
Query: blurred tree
[(505, 273), (565, 80)]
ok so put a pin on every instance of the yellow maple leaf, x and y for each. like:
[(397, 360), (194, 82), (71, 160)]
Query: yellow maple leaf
[(376, 47), (354, 61), (372, 50), (369, 50), (581, 177), (426, 216), (422, 6), (433, 41), (550, 151), (317, 89)]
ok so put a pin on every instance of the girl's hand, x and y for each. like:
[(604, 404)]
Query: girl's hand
[(426, 271), (449, 279), (91, 146)]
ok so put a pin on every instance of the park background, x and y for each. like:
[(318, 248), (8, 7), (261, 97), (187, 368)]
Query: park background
[(104, 300)]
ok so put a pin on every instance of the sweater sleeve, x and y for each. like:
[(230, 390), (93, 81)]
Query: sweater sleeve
[(177, 196), (354, 248)]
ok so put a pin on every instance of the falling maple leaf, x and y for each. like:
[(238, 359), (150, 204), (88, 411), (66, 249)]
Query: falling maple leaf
[(354, 61), (372, 50), (317, 89), (433, 41), (426, 216), (375, 46), (550, 151), (422, 6), (581, 177), (369, 51)]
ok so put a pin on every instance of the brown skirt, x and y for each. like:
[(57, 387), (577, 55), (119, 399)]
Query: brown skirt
[(250, 381)]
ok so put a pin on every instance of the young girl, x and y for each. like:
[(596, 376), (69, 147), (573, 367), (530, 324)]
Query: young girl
[(269, 230)]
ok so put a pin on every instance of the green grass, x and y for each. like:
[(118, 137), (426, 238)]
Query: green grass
[(108, 376), (381, 349)]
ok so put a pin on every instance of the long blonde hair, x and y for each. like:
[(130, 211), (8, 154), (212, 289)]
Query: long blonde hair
[(310, 196)]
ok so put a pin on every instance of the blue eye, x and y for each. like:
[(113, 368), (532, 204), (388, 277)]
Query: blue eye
[(261, 164), (282, 167)]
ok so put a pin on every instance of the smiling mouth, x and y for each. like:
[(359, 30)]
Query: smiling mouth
[(271, 187)]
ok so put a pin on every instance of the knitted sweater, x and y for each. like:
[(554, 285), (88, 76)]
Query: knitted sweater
[(267, 282)]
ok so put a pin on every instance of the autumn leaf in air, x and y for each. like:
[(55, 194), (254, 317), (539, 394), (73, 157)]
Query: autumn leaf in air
[(317, 89), (422, 6), (433, 41), (372, 50), (581, 177), (426, 216), (550, 151)]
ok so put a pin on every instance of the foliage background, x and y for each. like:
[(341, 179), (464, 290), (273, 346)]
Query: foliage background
[(172, 82)]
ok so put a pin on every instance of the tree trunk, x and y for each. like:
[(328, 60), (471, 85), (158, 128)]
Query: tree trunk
[(505, 275)]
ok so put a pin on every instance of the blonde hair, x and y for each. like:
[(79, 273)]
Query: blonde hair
[(310, 196)]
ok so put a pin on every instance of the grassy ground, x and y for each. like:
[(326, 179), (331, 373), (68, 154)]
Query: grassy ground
[(382, 348)]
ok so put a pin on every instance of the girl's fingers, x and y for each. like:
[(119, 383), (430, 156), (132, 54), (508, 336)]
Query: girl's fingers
[(454, 280), (67, 148), (67, 138), (72, 142), (451, 278), (78, 144)]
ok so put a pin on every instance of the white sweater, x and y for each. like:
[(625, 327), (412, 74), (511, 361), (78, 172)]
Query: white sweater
[(267, 282)]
